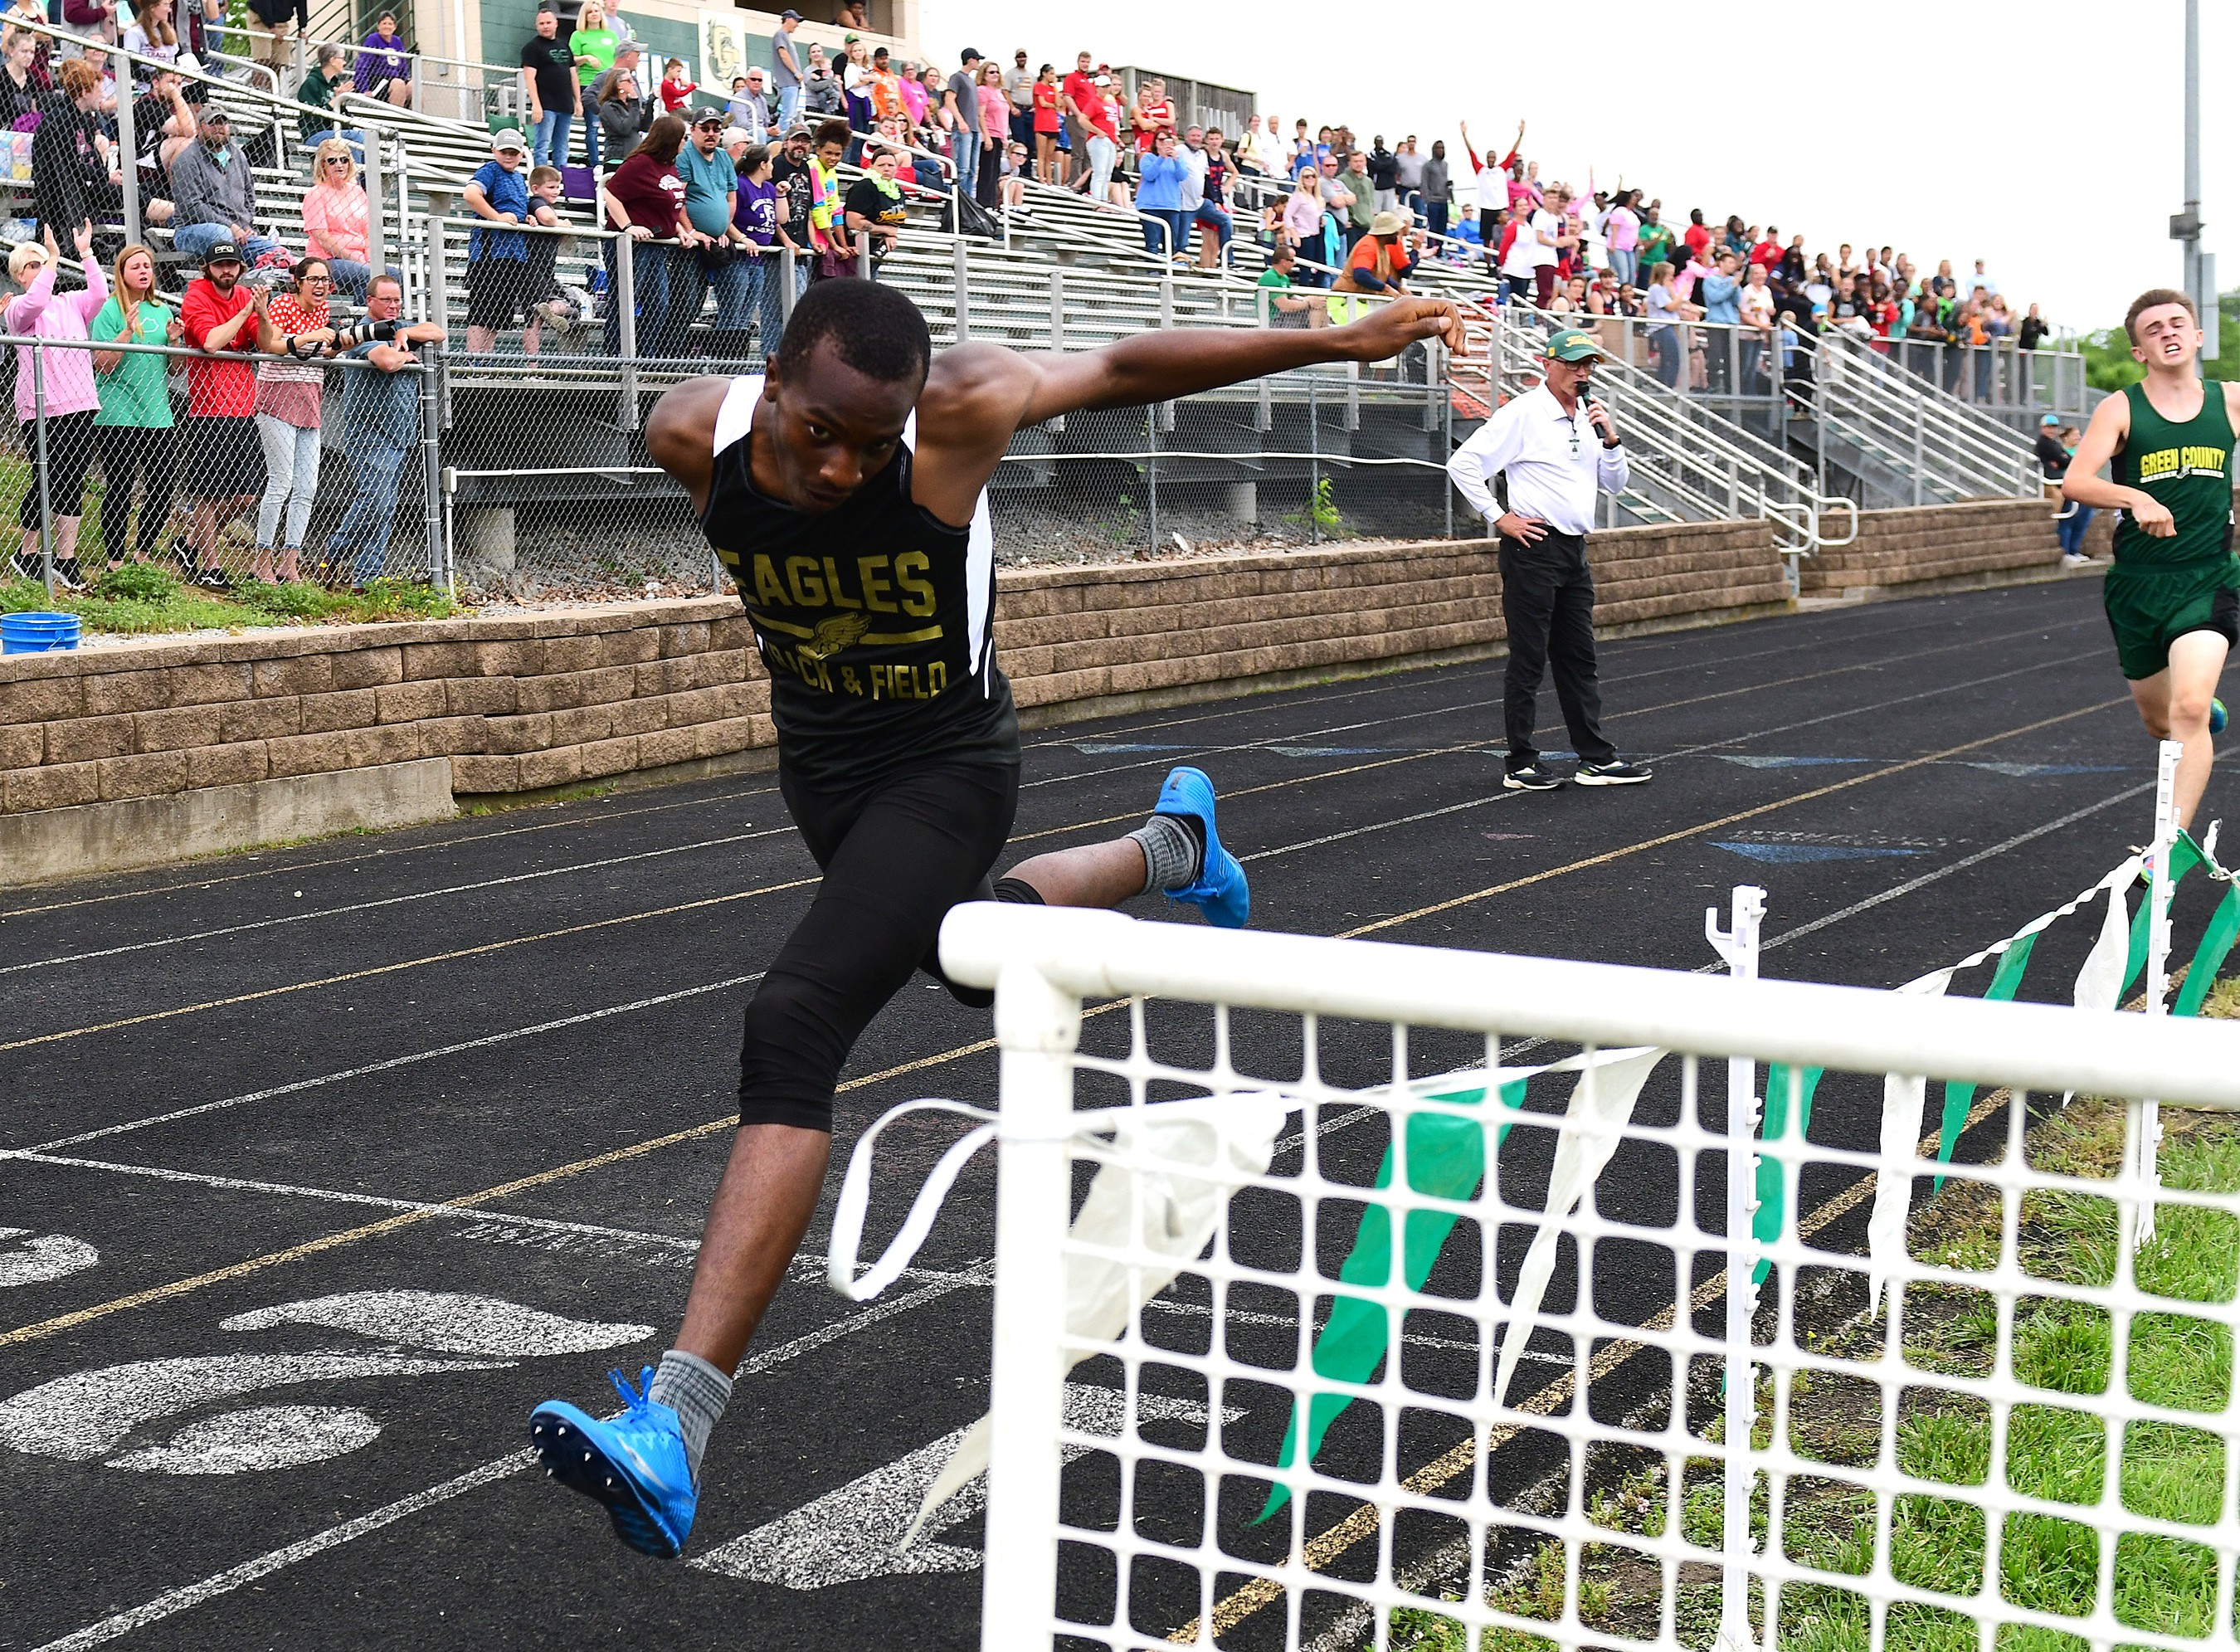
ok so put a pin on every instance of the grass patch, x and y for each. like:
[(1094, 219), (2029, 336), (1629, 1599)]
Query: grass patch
[(2059, 1450), (137, 599)]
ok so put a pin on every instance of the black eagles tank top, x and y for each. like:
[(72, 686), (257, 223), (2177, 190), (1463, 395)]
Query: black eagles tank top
[(876, 619)]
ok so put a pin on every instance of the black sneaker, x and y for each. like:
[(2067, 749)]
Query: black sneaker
[(24, 567), (1616, 772), (68, 575), (1534, 777), (212, 578)]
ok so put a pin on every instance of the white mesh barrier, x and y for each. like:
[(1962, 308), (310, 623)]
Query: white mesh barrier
[(2027, 1441)]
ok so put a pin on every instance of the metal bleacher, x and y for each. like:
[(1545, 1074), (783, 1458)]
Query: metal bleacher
[(1064, 272)]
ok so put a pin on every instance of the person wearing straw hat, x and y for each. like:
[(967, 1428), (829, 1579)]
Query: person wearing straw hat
[(1557, 446)]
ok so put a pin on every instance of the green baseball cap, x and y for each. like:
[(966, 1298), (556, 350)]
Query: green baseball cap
[(1573, 344)]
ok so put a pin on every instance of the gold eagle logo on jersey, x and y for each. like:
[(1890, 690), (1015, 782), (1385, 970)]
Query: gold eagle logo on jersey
[(834, 632)]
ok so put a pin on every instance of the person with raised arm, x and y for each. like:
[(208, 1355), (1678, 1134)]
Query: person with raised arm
[(845, 489)]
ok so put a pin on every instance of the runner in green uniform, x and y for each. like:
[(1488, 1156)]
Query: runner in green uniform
[(2173, 596)]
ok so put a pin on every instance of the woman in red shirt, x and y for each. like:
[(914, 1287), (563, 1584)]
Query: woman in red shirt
[(1046, 127), (645, 199)]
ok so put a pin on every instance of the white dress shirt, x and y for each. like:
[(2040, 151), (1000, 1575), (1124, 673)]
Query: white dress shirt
[(1554, 461)]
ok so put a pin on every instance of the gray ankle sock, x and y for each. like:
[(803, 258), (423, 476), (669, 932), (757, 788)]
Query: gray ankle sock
[(697, 1392), (1173, 852)]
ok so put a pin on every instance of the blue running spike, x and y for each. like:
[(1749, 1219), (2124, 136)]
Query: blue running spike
[(2216, 716), (1221, 891), (634, 1464)]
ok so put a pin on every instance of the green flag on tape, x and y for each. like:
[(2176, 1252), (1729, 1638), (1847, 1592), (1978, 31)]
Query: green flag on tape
[(1446, 1159), (1765, 1226), (2209, 957), (1959, 1096), (2185, 854)]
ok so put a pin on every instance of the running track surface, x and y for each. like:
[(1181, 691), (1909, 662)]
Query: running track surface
[(496, 1059)]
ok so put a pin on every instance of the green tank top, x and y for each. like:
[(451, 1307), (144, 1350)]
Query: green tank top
[(2187, 468)]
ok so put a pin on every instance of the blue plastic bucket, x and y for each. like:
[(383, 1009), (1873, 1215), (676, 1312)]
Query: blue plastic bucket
[(37, 633)]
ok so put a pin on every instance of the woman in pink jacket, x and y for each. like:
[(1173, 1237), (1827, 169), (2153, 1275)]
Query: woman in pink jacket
[(63, 384)]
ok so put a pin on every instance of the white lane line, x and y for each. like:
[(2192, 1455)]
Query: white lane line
[(808, 1269), (1353, 1116), (1181, 752), (392, 900), (1684, 751), (389, 1065), (210, 1588), (982, 1272), (1961, 865), (193, 1595), (1392, 681), (299, 867)]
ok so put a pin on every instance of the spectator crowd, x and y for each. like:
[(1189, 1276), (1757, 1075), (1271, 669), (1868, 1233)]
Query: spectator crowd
[(705, 190)]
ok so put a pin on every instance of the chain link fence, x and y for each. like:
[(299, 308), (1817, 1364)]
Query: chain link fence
[(548, 488), (511, 476), (220, 468)]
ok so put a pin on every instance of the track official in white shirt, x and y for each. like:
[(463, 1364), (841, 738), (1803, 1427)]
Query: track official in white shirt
[(1558, 445)]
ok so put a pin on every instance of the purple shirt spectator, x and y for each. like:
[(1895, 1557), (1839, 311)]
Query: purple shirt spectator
[(381, 59)]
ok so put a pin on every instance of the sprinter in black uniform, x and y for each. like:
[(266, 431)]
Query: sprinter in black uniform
[(846, 493)]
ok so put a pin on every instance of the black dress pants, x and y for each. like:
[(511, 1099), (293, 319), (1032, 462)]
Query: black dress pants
[(1547, 598)]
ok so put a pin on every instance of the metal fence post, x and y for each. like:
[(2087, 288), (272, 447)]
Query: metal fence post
[(864, 256), (1263, 413), (963, 291), (1447, 434), (440, 569), (377, 239), (625, 297), (1739, 946), (1151, 470), (129, 168), (46, 500), (1314, 462), (789, 268), (439, 274), (1057, 310)]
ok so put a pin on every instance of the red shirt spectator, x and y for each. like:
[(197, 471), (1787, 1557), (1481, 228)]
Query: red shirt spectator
[(1100, 112), (219, 388), (1767, 254), (1698, 238), (1154, 115), (1080, 86)]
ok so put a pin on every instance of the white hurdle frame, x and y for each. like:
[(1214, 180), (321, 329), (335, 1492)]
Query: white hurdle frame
[(1738, 945), (1043, 961), (2145, 1134)]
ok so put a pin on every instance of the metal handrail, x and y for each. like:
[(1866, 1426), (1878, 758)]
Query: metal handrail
[(1914, 429), (1686, 457)]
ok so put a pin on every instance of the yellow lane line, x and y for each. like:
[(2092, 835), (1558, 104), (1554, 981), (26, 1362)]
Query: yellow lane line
[(1646, 843)]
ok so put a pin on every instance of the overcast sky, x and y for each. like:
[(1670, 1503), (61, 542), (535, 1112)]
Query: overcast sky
[(2053, 151)]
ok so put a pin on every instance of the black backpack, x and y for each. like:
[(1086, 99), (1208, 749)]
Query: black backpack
[(976, 220)]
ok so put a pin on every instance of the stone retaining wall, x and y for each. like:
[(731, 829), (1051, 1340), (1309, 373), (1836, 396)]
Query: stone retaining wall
[(523, 704), (1939, 547)]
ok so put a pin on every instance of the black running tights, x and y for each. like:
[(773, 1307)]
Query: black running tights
[(896, 854)]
